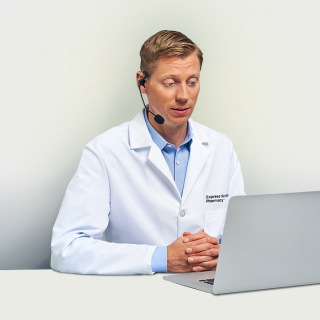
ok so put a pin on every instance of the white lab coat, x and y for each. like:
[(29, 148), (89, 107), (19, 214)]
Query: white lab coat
[(123, 186)]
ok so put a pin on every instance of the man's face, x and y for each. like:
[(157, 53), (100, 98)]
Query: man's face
[(173, 88)]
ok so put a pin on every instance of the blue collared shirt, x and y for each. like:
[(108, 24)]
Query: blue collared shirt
[(177, 160)]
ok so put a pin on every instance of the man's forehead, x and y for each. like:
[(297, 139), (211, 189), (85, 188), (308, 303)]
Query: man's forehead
[(173, 66)]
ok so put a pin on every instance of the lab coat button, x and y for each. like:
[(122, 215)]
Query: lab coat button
[(182, 213)]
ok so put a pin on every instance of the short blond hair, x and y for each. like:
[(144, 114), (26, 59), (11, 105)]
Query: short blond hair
[(166, 43)]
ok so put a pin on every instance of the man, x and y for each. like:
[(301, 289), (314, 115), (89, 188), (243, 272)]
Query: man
[(160, 191)]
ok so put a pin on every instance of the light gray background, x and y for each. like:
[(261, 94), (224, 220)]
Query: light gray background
[(67, 74)]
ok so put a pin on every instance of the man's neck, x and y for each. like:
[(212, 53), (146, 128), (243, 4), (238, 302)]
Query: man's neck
[(174, 135)]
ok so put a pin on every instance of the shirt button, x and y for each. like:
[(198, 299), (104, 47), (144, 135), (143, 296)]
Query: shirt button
[(169, 145), (178, 162), (182, 213)]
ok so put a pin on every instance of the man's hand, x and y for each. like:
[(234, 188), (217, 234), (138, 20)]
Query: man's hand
[(193, 252), (201, 257)]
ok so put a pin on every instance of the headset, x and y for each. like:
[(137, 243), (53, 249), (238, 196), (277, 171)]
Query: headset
[(157, 118)]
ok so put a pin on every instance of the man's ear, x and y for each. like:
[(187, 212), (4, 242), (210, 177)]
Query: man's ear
[(139, 76)]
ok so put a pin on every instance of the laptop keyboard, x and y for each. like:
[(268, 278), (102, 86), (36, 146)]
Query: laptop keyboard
[(208, 281)]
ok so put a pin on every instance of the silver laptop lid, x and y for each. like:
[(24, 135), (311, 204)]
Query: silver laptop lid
[(270, 241)]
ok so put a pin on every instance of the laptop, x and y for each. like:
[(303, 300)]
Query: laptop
[(269, 241)]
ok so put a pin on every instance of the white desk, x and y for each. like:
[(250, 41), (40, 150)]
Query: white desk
[(46, 295)]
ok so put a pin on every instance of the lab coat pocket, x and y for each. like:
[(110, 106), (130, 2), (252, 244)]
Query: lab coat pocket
[(214, 221)]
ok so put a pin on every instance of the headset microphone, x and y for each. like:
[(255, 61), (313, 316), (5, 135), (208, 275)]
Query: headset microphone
[(157, 118)]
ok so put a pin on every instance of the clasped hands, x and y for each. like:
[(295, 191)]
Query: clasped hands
[(193, 252)]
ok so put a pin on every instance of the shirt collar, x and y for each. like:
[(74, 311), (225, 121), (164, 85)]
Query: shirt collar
[(158, 139)]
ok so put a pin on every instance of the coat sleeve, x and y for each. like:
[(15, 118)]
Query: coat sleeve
[(236, 186), (76, 245)]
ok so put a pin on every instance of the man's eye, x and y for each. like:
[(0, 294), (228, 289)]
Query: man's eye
[(192, 83), (169, 84)]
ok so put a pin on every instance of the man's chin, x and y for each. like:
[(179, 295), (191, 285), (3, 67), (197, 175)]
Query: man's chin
[(179, 120)]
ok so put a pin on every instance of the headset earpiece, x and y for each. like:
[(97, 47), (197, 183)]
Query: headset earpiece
[(143, 80)]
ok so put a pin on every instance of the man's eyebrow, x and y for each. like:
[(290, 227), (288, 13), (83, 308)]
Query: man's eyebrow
[(166, 76), (195, 75)]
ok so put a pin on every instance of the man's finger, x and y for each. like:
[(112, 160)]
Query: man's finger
[(199, 259), (195, 236), (202, 247), (213, 252), (206, 239), (209, 264), (188, 233), (198, 268)]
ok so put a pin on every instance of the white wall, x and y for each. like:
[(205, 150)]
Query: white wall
[(67, 74)]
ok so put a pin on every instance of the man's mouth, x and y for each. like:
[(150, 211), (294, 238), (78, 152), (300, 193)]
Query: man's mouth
[(180, 109)]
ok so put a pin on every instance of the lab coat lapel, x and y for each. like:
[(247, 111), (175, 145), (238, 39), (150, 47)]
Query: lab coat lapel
[(198, 157), (156, 157), (139, 137)]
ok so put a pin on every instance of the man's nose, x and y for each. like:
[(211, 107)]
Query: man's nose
[(182, 94)]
